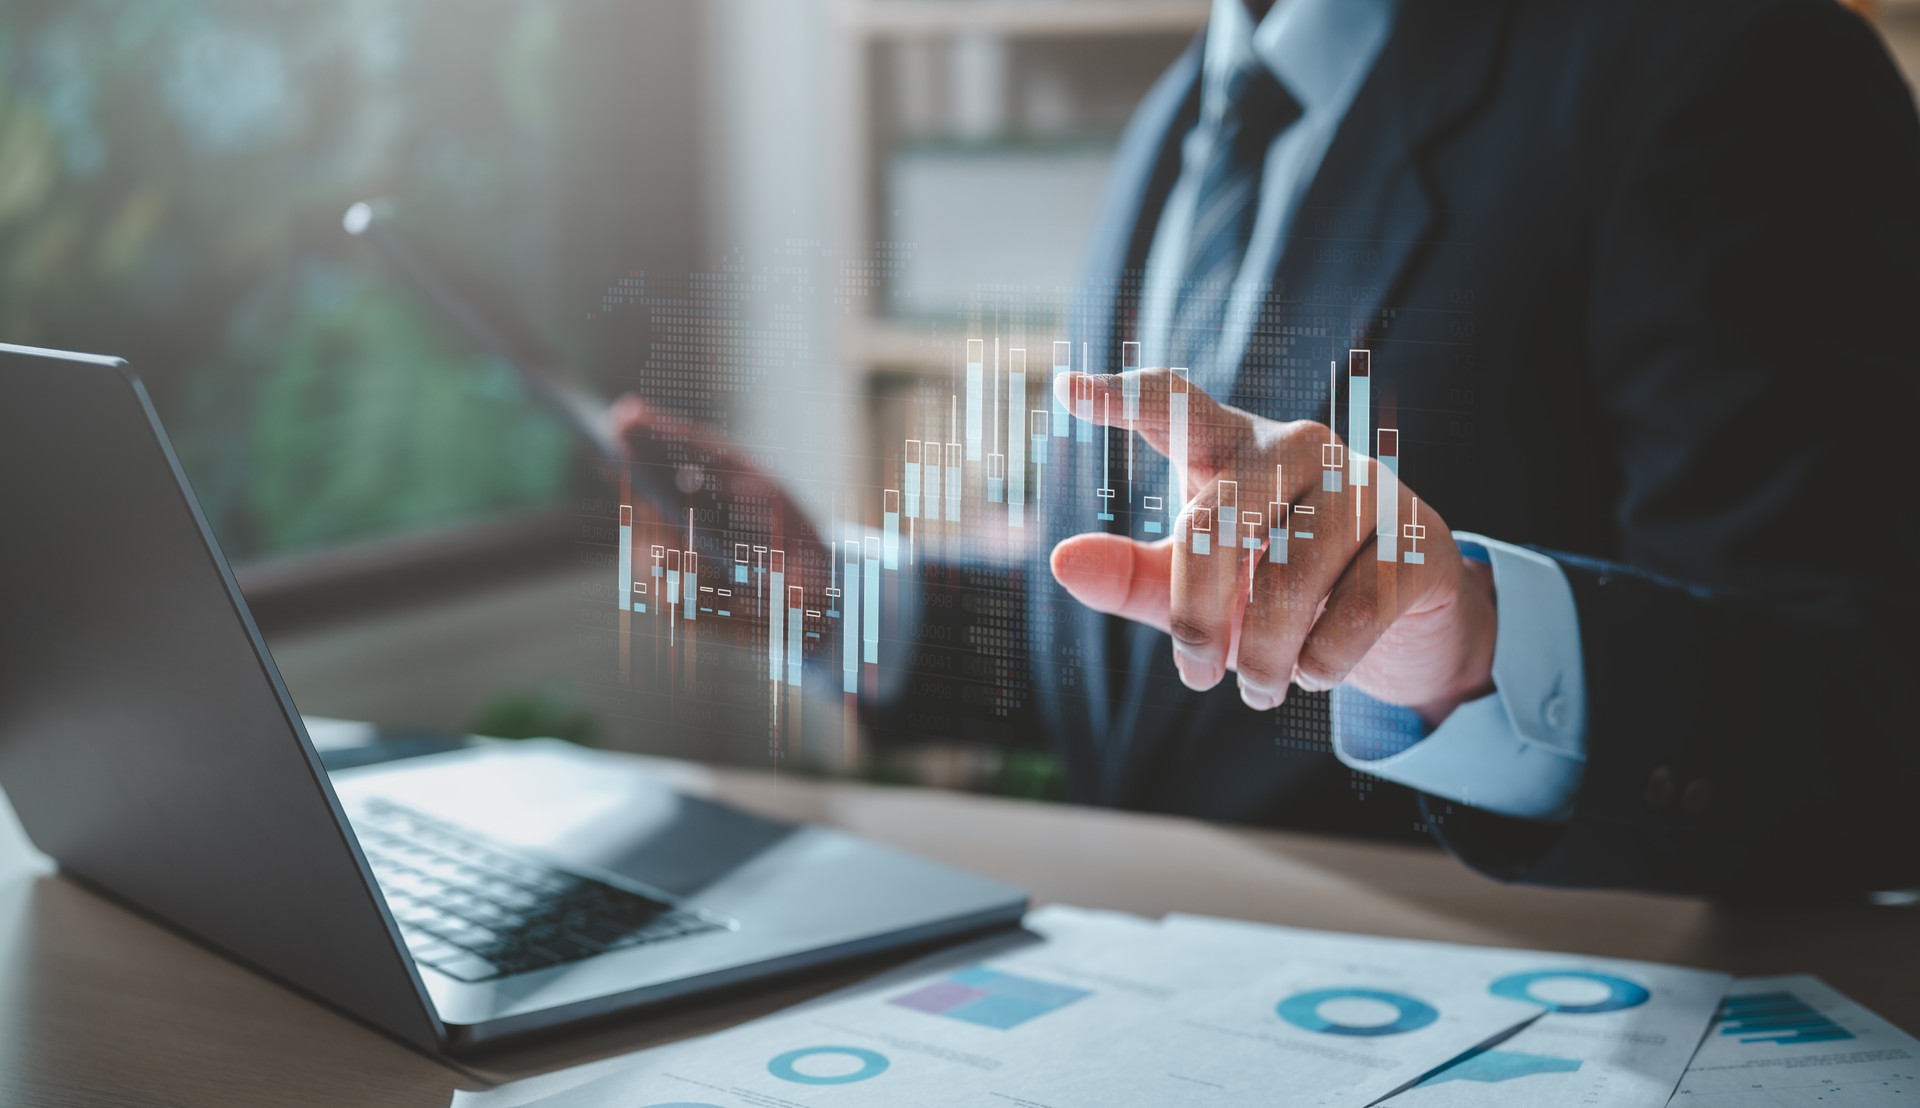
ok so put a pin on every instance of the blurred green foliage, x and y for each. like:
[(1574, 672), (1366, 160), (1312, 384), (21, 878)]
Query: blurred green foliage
[(550, 711), (172, 176)]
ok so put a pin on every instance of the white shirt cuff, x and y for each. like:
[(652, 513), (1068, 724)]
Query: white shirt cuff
[(1519, 751)]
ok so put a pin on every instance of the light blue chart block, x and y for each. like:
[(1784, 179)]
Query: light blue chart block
[(872, 612), (1359, 415), (1495, 1066), (1414, 558), (976, 396), (849, 626), (691, 595), (1177, 394), (794, 656), (953, 483), (1015, 464), (640, 607), (774, 653), (1130, 384), (625, 585), (890, 540), (1062, 365), (930, 483), (1277, 543), (1202, 542), (1387, 501), (1152, 527)]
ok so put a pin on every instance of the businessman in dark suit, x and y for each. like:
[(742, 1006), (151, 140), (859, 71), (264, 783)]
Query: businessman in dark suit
[(1628, 283)]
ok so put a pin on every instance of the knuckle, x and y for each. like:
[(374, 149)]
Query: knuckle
[(1316, 666), (1263, 670), (1359, 612), (1190, 632)]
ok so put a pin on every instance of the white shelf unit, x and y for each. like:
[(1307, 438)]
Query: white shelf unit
[(1114, 48)]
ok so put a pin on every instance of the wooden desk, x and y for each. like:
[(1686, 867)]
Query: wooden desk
[(99, 1007)]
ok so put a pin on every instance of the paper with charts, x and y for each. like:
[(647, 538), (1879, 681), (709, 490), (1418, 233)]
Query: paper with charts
[(1611, 1033), (1104, 1013), (1793, 1042)]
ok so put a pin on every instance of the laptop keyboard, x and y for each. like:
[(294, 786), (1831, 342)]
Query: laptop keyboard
[(475, 911)]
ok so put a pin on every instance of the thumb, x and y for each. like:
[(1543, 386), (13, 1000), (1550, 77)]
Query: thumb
[(1116, 575)]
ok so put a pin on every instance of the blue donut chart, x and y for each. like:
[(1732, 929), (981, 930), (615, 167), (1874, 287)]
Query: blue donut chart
[(872, 1064), (1303, 1011), (1621, 993)]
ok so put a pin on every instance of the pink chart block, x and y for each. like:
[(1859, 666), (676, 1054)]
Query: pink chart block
[(941, 996)]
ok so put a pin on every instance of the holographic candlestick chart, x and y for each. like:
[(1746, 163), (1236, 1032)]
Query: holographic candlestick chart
[(986, 464)]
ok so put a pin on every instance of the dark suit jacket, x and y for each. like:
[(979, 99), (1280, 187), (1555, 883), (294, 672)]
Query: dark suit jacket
[(1637, 276)]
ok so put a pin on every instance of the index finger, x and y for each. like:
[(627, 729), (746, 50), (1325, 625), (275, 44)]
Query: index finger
[(1175, 416)]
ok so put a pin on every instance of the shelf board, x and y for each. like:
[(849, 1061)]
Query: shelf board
[(1029, 18)]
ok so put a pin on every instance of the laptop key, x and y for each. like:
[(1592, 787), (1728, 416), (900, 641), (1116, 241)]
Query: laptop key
[(466, 967)]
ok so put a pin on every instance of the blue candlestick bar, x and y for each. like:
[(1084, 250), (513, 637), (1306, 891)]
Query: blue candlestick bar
[(1332, 452), (796, 603), (1016, 460), (953, 482), (1062, 363), (976, 395), (890, 528), (1359, 409), (1083, 401), (777, 571), (850, 621), (1277, 524), (625, 584), (930, 486), (1386, 535), (910, 477), (673, 583), (1037, 424), (871, 613)]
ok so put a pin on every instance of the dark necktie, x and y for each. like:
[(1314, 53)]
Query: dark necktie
[(1256, 109)]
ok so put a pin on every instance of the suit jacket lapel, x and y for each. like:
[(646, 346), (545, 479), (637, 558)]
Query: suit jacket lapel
[(1371, 211)]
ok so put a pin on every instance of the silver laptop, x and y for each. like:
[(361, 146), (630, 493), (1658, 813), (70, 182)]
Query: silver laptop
[(150, 747)]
